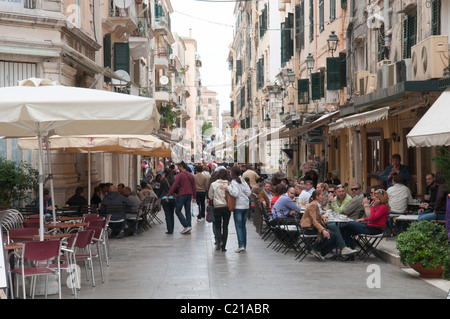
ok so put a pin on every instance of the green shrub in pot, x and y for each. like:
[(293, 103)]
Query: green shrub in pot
[(425, 243)]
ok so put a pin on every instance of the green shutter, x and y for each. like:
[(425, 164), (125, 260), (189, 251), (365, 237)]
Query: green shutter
[(297, 28), (343, 66), (409, 34), (283, 43), (311, 20), (332, 10), (334, 73), (238, 68), (343, 4), (315, 86), (107, 54), (303, 91), (436, 17), (321, 16), (122, 57)]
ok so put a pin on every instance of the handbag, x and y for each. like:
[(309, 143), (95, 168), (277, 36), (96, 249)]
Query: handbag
[(174, 194), (231, 201), (210, 212)]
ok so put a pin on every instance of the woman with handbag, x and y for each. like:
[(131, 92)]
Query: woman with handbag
[(221, 213), (241, 191), (169, 205), (313, 223)]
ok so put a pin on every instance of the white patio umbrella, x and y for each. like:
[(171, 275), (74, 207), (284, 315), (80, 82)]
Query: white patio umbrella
[(39, 106), (146, 145)]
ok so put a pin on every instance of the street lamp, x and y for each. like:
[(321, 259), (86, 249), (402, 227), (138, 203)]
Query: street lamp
[(333, 41), (310, 62)]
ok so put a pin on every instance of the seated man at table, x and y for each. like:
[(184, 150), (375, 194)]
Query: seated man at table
[(399, 199), (117, 205), (436, 210), (306, 193), (78, 199), (132, 214), (355, 209), (340, 201), (47, 204), (285, 207)]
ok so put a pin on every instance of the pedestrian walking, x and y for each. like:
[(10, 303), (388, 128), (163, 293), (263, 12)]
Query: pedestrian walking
[(201, 184), (240, 190), (169, 204), (221, 213), (187, 192)]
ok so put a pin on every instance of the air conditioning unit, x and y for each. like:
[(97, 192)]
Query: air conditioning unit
[(360, 77), (371, 83), (383, 62), (386, 76), (403, 70), (429, 58), (332, 97)]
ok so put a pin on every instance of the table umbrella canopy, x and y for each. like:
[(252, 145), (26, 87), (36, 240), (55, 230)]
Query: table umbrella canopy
[(26, 110), (38, 106), (433, 129), (130, 144)]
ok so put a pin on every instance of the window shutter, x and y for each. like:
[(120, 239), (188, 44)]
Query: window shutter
[(232, 109), (343, 4), (283, 43), (303, 91), (381, 43), (409, 34), (238, 68), (122, 57), (107, 54), (321, 16), (297, 28), (315, 86), (405, 39), (332, 10), (436, 17), (333, 74), (343, 66), (311, 20)]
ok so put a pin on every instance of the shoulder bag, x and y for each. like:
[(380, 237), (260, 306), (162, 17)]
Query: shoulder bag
[(231, 201)]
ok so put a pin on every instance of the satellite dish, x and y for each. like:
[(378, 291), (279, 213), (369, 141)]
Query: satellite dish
[(123, 75), (164, 80), (122, 4)]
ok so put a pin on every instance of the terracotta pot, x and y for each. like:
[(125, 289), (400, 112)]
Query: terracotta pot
[(428, 273)]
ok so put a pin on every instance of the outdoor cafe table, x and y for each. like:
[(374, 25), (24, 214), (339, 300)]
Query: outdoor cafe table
[(64, 226), (19, 238)]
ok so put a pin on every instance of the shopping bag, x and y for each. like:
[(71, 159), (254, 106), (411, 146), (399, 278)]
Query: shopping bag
[(194, 209)]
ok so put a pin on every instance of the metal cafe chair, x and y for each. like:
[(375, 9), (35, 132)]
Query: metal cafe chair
[(39, 252)]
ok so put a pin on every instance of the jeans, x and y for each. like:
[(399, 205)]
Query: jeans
[(336, 229), (221, 219), (169, 208), (353, 228), (431, 216), (240, 219), (325, 245), (200, 197), (180, 202)]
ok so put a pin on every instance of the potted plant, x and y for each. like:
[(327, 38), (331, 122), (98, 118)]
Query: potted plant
[(424, 247)]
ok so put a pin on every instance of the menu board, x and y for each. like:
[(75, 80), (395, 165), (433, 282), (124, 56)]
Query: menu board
[(3, 269)]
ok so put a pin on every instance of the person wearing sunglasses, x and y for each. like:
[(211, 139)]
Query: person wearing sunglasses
[(355, 208), (340, 201)]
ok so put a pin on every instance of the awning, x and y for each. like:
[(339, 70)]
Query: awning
[(360, 119), (433, 129), (307, 127)]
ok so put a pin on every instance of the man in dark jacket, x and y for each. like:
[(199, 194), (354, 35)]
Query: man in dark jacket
[(77, 199), (117, 205)]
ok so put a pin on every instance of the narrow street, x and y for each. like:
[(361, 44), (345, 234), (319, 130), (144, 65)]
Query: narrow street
[(160, 266)]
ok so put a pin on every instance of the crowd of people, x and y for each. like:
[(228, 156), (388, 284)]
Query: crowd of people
[(236, 189)]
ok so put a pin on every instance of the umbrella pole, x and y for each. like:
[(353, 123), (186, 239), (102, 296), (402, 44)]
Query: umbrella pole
[(89, 178), (49, 164), (41, 189)]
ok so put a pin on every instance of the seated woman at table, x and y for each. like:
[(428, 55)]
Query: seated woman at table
[(376, 223), (314, 223), (368, 201)]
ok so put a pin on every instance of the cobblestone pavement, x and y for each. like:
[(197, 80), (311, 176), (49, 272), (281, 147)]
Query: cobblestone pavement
[(160, 266)]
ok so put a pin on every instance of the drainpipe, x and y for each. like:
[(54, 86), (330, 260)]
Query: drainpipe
[(349, 34)]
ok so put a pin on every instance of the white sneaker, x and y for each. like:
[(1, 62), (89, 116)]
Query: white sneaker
[(186, 230), (317, 254), (240, 250), (200, 219), (347, 251)]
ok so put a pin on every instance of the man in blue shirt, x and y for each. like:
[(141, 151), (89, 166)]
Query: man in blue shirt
[(395, 169), (284, 207)]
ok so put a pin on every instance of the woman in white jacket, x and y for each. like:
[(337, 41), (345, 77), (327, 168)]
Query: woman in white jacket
[(240, 190), (221, 213)]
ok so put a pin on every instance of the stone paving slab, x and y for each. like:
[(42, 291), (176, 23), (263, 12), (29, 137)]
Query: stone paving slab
[(160, 266)]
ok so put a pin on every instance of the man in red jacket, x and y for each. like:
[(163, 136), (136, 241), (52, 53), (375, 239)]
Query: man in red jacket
[(186, 193)]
